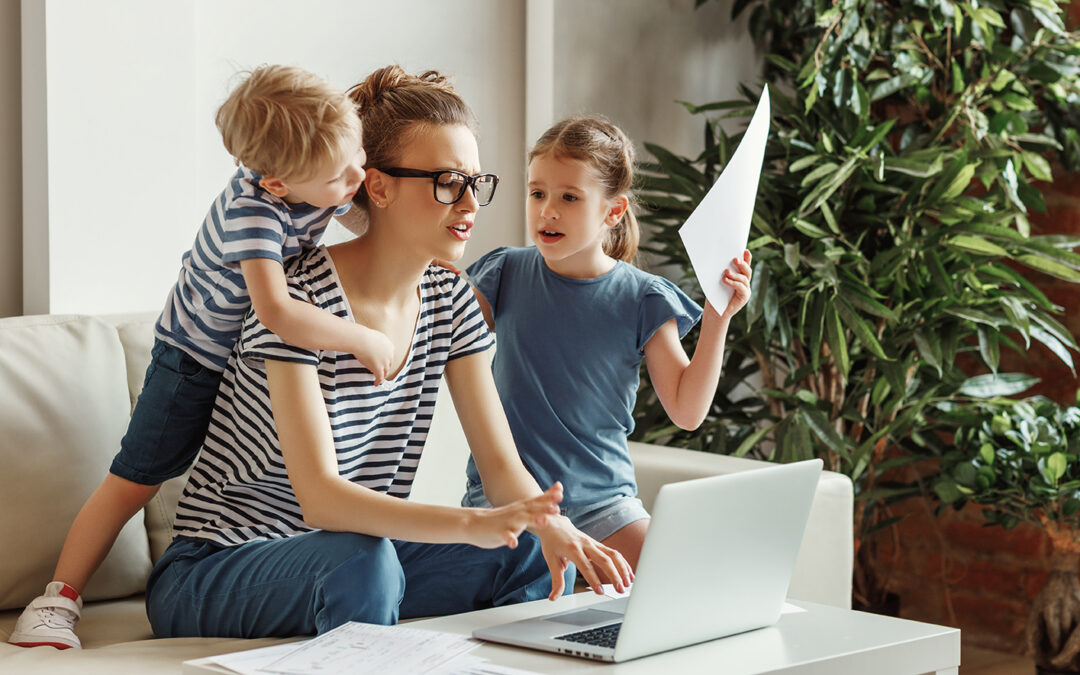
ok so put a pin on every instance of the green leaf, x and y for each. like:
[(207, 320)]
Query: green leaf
[(834, 336), (809, 229), (1001, 384), (960, 182), (861, 328), (929, 345), (803, 162), (989, 349), (1056, 465), (1051, 267), (972, 244), (947, 492), (1054, 345), (1038, 166), (859, 297), (819, 424), (750, 441)]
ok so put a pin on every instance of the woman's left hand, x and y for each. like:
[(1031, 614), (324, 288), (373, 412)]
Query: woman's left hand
[(563, 543), (738, 278)]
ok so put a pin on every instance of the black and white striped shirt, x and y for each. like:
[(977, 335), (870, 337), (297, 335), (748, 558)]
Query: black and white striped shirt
[(239, 490), (206, 308)]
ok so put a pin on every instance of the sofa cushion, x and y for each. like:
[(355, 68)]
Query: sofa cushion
[(66, 407)]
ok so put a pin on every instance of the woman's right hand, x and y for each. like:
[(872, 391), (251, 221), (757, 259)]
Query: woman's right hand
[(501, 526)]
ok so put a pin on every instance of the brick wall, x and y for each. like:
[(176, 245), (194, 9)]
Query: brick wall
[(949, 569)]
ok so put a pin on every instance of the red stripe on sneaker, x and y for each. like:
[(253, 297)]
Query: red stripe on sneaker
[(58, 645), (69, 593)]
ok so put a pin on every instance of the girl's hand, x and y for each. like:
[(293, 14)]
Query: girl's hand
[(563, 543), (501, 526), (446, 264), (738, 278)]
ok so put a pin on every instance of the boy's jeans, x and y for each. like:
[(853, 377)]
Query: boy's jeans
[(312, 582)]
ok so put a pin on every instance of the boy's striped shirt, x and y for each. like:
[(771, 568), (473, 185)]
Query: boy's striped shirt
[(239, 489), (206, 307)]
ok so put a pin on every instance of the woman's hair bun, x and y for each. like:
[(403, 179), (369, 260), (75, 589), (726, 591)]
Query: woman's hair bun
[(387, 79)]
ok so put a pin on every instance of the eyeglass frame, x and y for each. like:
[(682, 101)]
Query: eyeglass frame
[(467, 181)]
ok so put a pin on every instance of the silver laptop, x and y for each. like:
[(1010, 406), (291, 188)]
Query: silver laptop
[(717, 561)]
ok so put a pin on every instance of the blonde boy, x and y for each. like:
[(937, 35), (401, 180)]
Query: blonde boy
[(297, 142)]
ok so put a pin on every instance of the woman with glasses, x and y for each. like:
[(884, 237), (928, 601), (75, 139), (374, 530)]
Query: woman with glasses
[(295, 518)]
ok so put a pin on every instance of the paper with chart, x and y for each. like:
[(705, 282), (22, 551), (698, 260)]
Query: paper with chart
[(719, 227), (356, 648)]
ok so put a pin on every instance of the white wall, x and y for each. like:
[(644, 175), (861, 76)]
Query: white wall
[(130, 88), (633, 59), (10, 163)]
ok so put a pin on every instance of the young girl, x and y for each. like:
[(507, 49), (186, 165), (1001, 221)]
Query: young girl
[(575, 318)]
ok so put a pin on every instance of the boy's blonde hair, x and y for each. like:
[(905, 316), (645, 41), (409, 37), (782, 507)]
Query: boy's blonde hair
[(287, 123), (593, 139)]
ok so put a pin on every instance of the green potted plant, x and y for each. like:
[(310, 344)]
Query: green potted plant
[(1021, 460), (891, 234)]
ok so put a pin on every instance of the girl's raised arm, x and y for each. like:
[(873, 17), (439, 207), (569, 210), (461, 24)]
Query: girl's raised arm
[(686, 386)]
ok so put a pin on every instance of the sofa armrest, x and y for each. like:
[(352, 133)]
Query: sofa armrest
[(824, 566)]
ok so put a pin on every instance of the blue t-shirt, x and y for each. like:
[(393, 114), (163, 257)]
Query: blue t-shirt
[(569, 353)]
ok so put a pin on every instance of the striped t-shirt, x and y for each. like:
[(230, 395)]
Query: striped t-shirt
[(239, 490), (206, 307)]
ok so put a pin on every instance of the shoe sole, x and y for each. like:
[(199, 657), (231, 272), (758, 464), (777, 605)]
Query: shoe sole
[(58, 645)]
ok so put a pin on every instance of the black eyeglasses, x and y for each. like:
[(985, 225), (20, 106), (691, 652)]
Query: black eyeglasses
[(449, 185)]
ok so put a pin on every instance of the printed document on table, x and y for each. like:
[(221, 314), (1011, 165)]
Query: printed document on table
[(356, 648), (719, 227)]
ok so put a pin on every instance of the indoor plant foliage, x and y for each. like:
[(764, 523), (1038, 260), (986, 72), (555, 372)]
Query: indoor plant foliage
[(1021, 459), (906, 146)]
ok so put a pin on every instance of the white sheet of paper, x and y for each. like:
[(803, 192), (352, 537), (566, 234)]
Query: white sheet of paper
[(467, 664), (251, 661), (609, 590), (356, 648), (718, 229)]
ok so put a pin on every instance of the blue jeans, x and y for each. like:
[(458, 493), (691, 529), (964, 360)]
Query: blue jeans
[(313, 582), (168, 424)]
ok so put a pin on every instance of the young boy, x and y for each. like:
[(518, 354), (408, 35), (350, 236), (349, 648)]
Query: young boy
[(297, 141)]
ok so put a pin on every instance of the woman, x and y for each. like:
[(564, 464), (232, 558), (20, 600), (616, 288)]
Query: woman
[(294, 518)]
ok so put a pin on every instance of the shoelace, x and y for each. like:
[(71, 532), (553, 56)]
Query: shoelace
[(51, 616)]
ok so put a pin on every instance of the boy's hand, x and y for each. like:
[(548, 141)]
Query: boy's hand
[(501, 526), (375, 352), (738, 278)]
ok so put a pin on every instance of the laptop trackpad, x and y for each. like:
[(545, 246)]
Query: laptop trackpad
[(586, 617)]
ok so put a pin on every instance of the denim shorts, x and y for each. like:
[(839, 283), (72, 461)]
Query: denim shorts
[(168, 424), (599, 519)]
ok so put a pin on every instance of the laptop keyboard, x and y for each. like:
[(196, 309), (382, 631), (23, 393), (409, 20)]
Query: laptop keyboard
[(603, 636)]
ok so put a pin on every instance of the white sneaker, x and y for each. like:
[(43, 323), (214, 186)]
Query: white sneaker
[(49, 620)]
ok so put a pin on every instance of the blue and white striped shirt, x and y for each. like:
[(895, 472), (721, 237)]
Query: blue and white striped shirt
[(206, 307), (239, 490)]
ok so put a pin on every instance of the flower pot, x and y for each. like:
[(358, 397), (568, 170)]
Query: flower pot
[(1053, 628)]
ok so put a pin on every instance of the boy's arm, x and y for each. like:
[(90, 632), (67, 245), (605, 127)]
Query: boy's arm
[(686, 386), (307, 326)]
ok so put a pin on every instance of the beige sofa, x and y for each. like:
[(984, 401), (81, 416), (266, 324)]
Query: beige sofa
[(67, 384)]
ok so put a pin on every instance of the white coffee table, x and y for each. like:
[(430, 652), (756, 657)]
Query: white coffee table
[(822, 640)]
